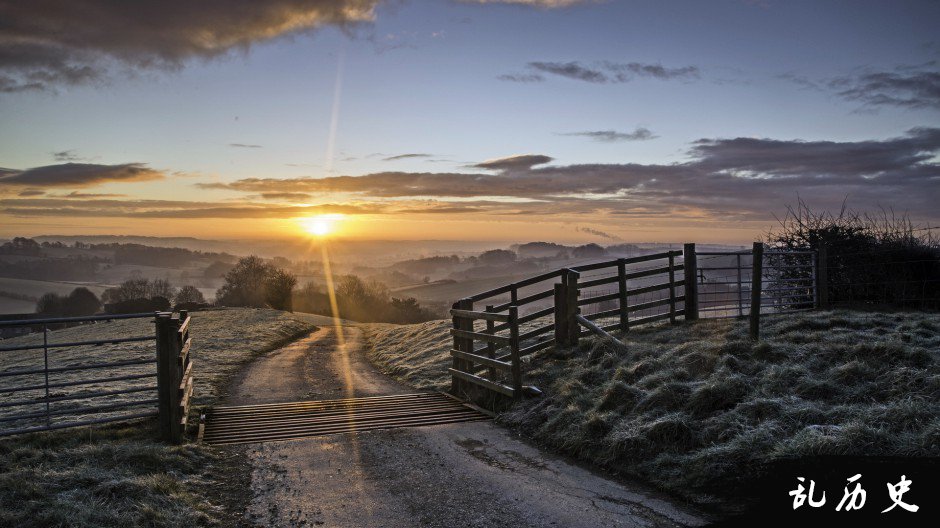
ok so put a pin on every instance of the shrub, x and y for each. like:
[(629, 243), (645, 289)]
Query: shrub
[(872, 260)]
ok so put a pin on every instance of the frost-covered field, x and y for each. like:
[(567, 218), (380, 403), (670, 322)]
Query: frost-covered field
[(692, 407), (121, 475)]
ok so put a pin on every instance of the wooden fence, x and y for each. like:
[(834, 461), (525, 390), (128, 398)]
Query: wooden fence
[(561, 306), (547, 309), (47, 396)]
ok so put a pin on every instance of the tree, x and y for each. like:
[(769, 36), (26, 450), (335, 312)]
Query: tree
[(278, 287), (49, 304), (244, 283), (161, 288), (81, 302), (132, 289), (588, 251), (496, 257), (189, 294)]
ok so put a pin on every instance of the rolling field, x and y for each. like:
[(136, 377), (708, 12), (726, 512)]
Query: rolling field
[(120, 475)]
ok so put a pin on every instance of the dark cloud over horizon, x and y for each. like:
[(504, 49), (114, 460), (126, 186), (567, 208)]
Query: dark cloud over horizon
[(78, 175), (746, 176)]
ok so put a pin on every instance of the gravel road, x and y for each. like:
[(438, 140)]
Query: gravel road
[(459, 475)]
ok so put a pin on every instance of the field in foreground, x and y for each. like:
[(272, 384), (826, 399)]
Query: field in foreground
[(692, 407), (121, 476)]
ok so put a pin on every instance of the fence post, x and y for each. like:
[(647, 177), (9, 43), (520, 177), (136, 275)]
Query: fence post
[(740, 287), (622, 286), (571, 307), (756, 281), (167, 378), (461, 343), (822, 277), (516, 364), (672, 289), (561, 321), (690, 274), (490, 346)]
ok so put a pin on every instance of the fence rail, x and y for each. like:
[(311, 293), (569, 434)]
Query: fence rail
[(545, 310), (124, 388), (559, 307)]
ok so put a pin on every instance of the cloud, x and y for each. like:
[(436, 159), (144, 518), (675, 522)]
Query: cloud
[(903, 87), (66, 155), (407, 156), (31, 192), (285, 196), (514, 163), (601, 72), (244, 145), (723, 178), (611, 136), (46, 43), (571, 70), (78, 175), (626, 72), (521, 77)]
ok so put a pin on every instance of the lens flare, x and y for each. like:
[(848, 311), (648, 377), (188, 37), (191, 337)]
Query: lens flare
[(322, 225)]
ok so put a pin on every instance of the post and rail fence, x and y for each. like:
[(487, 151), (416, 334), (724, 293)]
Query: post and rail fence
[(129, 384), (559, 307)]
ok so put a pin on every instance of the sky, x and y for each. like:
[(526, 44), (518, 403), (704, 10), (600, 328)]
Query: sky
[(504, 120)]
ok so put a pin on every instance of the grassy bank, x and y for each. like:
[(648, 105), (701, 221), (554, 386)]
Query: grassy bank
[(119, 475), (691, 407)]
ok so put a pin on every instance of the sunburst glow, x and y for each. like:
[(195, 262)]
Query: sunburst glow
[(321, 225)]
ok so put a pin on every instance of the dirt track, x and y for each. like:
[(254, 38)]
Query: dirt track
[(471, 474)]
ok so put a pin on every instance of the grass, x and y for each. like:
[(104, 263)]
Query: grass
[(692, 407), (120, 475)]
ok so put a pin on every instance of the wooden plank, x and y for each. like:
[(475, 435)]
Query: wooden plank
[(690, 269), (654, 287), (654, 271), (480, 336), (539, 278), (183, 356), (537, 331), (653, 319), (482, 382), (461, 343), (653, 304), (483, 360), (187, 395), (536, 315), (536, 347), (184, 380), (525, 300), (486, 316), (184, 327), (593, 327), (599, 282), (515, 361), (601, 315), (490, 293), (672, 290), (622, 296), (631, 260), (490, 347), (598, 299)]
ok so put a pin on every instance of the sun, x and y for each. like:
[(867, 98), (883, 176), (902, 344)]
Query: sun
[(321, 225)]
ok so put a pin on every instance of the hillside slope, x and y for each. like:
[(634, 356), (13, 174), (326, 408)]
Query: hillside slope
[(690, 407)]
